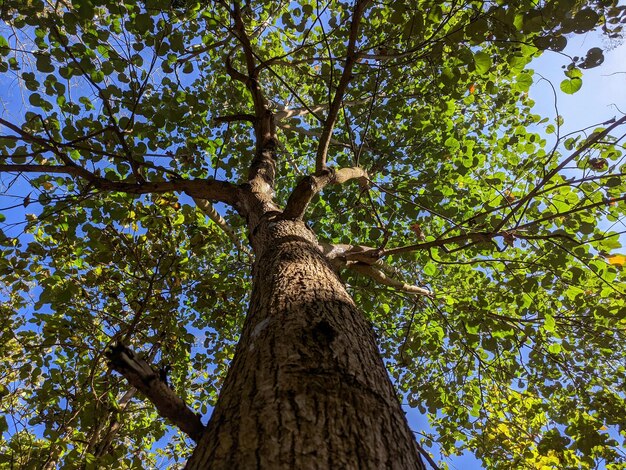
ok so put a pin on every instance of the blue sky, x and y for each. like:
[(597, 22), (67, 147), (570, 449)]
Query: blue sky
[(602, 95)]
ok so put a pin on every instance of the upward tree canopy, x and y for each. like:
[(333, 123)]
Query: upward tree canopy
[(481, 242)]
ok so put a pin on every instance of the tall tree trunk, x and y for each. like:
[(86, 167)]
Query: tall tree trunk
[(307, 388)]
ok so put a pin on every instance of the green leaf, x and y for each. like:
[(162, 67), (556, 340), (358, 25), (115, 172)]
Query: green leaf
[(524, 81), (97, 76), (144, 23), (594, 58), (430, 269), (585, 20), (554, 348), (35, 99), (574, 73), (44, 63), (482, 62), (4, 46), (553, 43), (571, 86)]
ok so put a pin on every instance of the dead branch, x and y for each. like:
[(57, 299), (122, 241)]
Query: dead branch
[(144, 378)]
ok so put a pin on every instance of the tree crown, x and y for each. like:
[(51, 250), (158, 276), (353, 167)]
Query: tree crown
[(480, 240)]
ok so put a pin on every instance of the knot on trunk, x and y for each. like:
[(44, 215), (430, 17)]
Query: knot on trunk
[(323, 333)]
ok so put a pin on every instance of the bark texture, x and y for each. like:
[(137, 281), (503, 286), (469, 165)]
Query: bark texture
[(307, 388)]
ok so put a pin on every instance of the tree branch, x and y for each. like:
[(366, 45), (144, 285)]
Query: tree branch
[(369, 255), (312, 133), (206, 207), (113, 122), (380, 277), (346, 76), (594, 138), (233, 72), (214, 190), (348, 256), (313, 184), (200, 50), (604, 202), (263, 166), (427, 456), (148, 381), (264, 126), (337, 253), (339, 250), (235, 117), (286, 113)]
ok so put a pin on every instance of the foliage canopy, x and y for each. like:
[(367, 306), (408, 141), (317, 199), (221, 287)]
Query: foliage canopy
[(115, 106)]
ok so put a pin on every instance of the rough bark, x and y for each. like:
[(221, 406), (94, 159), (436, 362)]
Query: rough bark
[(307, 388)]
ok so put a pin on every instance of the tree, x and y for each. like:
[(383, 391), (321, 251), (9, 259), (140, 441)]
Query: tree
[(182, 160)]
